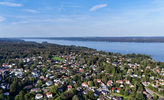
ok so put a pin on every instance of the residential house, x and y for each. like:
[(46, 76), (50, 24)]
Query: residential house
[(84, 84), (49, 83), (36, 90), (109, 83), (45, 89), (28, 87), (119, 81), (79, 88), (69, 87), (5, 86), (49, 94), (38, 96)]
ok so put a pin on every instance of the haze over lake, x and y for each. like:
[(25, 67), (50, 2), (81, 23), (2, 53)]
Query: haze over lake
[(153, 49)]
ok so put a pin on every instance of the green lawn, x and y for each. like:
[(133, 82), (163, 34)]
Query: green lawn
[(119, 95), (57, 58)]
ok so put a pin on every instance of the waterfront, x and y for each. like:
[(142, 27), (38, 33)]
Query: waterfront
[(153, 49)]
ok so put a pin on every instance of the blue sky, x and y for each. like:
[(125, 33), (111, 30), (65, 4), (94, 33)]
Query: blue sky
[(80, 18)]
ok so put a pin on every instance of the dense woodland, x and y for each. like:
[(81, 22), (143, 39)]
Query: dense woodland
[(12, 50)]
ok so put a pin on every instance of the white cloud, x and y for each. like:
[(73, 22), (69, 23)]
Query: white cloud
[(21, 22), (2, 19), (98, 7), (30, 10), (10, 4), (61, 8)]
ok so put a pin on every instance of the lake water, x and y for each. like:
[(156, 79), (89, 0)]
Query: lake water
[(156, 50)]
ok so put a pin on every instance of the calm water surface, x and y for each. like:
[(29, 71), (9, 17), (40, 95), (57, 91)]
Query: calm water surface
[(156, 50)]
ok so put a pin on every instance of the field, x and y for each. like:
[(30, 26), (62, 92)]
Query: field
[(57, 58)]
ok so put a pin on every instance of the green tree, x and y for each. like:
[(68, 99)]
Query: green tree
[(90, 94), (75, 77), (2, 96), (126, 93), (21, 95), (13, 88), (58, 98), (54, 89), (75, 97), (90, 83)]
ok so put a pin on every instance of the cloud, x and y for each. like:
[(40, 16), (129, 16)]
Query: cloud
[(21, 22), (2, 19), (98, 7), (61, 8), (10, 4), (30, 10)]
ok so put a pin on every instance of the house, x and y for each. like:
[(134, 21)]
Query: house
[(45, 89), (48, 75), (36, 90), (104, 92), (119, 81), (127, 82), (56, 80), (102, 98), (121, 85), (79, 88), (57, 83), (162, 83), (60, 88), (49, 95), (84, 84), (5, 86), (69, 87), (98, 80), (28, 87), (115, 64), (85, 92), (38, 96), (109, 83), (48, 83), (41, 77), (116, 89), (130, 85), (116, 98), (96, 93), (7, 93)]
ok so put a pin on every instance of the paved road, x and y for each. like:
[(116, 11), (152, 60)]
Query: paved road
[(152, 92)]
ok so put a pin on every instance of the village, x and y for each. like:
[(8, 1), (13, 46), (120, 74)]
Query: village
[(70, 76)]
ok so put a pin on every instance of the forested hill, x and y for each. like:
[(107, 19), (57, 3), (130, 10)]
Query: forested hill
[(105, 39)]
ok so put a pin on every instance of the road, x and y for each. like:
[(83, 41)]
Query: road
[(152, 92)]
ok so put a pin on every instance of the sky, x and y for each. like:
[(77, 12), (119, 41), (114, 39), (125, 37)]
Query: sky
[(81, 18)]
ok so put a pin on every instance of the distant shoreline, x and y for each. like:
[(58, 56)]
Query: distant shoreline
[(104, 39)]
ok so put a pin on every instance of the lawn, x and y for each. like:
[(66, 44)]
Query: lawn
[(57, 58), (119, 95)]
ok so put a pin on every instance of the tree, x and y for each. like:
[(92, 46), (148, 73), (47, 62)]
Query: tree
[(121, 92), (90, 83), (21, 95), (140, 96), (13, 88), (75, 97), (82, 78), (90, 94), (54, 89), (126, 93), (155, 97), (2, 96), (58, 98), (75, 77)]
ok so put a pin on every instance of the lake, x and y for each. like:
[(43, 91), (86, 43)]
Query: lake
[(156, 50)]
